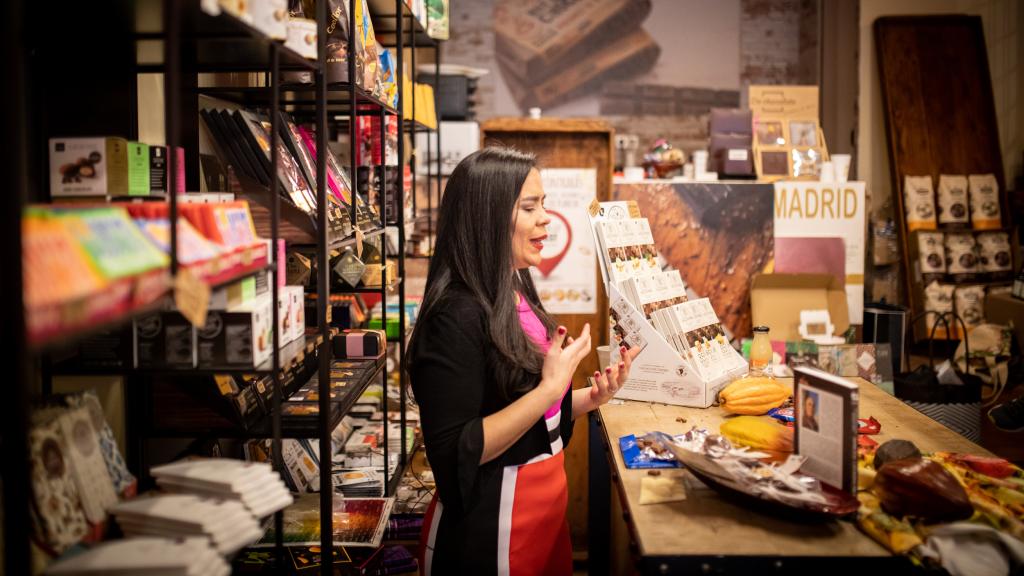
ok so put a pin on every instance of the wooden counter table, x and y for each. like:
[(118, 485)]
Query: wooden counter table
[(709, 534)]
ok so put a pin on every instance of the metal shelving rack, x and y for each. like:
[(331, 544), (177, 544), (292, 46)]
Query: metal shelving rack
[(188, 42)]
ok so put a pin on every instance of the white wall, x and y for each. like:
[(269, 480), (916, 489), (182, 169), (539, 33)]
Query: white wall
[(1001, 21)]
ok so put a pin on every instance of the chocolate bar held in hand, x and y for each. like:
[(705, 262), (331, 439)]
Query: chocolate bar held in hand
[(360, 344)]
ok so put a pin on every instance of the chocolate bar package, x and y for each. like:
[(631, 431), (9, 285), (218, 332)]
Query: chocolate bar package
[(158, 178), (297, 309), (359, 344), (164, 340), (984, 193), (919, 202), (138, 169), (801, 353), (248, 408), (240, 337), (931, 255), (961, 255), (731, 155), (731, 121), (952, 197), (994, 254), (848, 360), (969, 302), (89, 167), (61, 522), (106, 349), (938, 298)]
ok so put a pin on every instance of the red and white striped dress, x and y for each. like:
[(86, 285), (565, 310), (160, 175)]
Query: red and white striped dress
[(507, 516)]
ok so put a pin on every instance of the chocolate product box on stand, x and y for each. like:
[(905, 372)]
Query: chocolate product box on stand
[(239, 337), (164, 339)]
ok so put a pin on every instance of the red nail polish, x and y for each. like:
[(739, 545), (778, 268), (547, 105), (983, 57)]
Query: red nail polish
[(597, 374), (608, 370), (622, 364), (561, 330)]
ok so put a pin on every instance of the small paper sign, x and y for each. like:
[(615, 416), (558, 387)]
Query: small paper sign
[(191, 296)]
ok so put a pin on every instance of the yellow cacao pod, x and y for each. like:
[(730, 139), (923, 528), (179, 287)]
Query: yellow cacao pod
[(753, 396), (758, 433)]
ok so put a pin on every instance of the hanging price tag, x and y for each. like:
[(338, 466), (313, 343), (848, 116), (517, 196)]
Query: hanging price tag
[(191, 296), (359, 243)]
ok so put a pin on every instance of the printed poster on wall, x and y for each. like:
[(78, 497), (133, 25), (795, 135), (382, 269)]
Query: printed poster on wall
[(566, 277), (810, 210)]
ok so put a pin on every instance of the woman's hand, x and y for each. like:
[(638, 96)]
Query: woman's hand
[(607, 383), (560, 363)]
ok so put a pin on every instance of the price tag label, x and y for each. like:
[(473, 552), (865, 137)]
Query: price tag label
[(191, 296), (738, 154), (226, 384)]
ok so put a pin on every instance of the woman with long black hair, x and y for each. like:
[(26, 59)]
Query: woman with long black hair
[(492, 374)]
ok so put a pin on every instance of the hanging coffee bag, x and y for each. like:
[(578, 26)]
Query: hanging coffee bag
[(961, 256), (337, 38), (984, 192), (919, 201), (994, 256), (931, 255), (938, 298), (952, 210), (970, 305)]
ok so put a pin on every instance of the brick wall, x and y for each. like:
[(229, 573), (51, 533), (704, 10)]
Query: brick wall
[(778, 42)]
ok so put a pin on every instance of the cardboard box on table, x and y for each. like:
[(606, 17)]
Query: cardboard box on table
[(1005, 309), (659, 373), (776, 301)]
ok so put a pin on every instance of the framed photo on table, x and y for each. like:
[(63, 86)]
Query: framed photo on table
[(825, 431), (773, 162), (805, 163), (770, 133), (803, 133)]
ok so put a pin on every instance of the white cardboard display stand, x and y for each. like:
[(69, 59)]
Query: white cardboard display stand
[(659, 373)]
